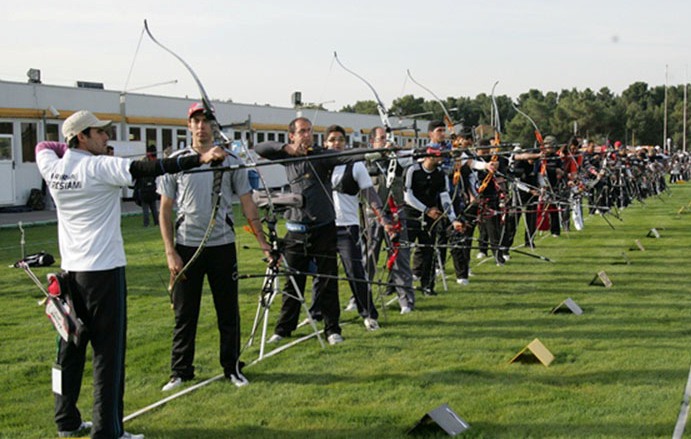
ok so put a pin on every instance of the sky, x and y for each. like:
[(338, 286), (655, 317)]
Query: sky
[(262, 51)]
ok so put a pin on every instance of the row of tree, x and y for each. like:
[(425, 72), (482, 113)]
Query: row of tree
[(636, 117)]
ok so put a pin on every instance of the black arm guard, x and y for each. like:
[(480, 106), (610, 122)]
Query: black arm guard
[(154, 168)]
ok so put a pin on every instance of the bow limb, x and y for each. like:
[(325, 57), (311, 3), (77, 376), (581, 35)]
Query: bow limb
[(538, 134), (219, 138), (447, 117), (381, 108)]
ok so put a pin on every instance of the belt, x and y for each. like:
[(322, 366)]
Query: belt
[(296, 227)]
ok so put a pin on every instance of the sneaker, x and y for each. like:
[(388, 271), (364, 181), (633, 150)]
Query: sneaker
[(274, 338), (352, 306), (481, 255), (470, 273), (554, 235), (405, 310), (127, 435), (334, 339), (460, 281), (429, 292), (174, 383), (371, 324), (79, 432), (507, 258), (238, 379)]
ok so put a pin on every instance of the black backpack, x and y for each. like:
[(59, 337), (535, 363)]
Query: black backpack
[(35, 201)]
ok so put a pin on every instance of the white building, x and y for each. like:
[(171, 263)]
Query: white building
[(32, 112)]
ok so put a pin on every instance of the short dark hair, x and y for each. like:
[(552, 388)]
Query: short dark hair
[(74, 141), (434, 124), (293, 123), (373, 132), (335, 129)]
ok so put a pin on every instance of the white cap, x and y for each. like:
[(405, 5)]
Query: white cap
[(80, 121)]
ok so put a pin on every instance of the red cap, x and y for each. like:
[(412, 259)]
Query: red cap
[(194, 108)]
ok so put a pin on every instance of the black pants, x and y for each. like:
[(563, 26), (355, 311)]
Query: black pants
[(219, 264), (317, 246), (490, 230), (423, 259), (100, 302), (460, 252), (351, 256)]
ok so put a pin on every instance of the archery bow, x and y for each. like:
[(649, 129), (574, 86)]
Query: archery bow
[(396, 225), (219, 139), (497, 141), (450, 127)]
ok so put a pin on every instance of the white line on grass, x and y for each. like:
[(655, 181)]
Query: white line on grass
[(218, 377), (683, 411)]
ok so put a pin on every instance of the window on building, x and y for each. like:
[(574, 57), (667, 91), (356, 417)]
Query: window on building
[(271, 137), (29, 141), (6, 140), (237, 135), (166, 137), (151, 140), (5, 147), (113, 132), (181, 139), (260, 137), (53, 132), (282, 137), (135, 134)]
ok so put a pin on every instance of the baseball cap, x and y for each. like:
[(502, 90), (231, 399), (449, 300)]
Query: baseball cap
[(195, 108), (550, 140), (80, 121)]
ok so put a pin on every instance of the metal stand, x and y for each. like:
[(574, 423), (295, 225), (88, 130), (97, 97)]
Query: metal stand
[(270, 290)]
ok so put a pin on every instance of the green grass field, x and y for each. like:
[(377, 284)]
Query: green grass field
[(619, 372)]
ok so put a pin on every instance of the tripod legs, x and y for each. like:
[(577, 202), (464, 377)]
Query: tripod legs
[(270, 290)]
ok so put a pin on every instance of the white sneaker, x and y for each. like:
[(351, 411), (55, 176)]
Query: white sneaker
[(127, 435), (371, 324), (507, 258), (352, 306), (405, 310), (480, 255), (238, 379), (174, 383), (274, 338), (334, 339), (80, 431), (462, 281), (470, 273)]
